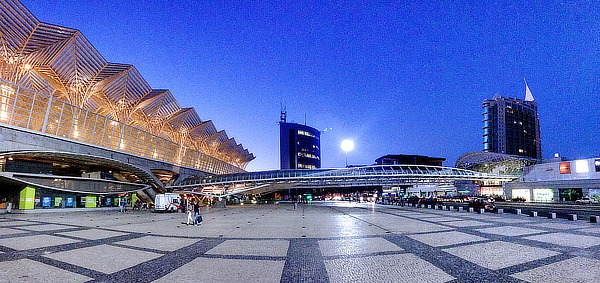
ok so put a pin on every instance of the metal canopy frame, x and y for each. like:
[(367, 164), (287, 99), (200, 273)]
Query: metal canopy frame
[(60, 62)]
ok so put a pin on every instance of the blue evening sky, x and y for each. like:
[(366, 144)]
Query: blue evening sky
[(397, 77)]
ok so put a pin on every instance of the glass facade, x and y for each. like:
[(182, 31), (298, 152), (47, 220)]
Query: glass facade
[(24, 108), (299, 146), (511, 126)]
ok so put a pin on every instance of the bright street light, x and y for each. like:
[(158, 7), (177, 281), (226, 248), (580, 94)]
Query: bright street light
[(347, 145)]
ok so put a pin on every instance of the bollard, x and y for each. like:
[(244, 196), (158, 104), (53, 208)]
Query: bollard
[(471, 209), (573, 217), (553, 215), (533, 214), (451, 207), (481, 210), (500, 210), (443, 207), (595, 219), (518, 211), (429, 206), (460, 209)]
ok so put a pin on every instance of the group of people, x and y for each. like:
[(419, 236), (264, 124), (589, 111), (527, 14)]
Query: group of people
[(193, 214)]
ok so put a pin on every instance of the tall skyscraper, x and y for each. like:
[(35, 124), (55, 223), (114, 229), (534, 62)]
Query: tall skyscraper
[(299, 146), (511, 126)]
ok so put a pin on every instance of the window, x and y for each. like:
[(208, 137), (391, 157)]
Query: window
[(305, 133)]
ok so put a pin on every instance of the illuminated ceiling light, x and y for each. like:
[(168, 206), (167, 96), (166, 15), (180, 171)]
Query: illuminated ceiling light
[(27, 66)]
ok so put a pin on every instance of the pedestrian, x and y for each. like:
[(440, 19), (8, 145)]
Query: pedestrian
[(197, 218), (124, 202), (190, 217)]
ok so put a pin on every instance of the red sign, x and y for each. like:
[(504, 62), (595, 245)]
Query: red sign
[(565, 168)]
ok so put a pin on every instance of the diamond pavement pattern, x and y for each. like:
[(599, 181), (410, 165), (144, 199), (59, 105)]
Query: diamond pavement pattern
[(321, 242)]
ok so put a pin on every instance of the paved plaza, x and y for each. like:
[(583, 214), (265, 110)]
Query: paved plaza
[(322, 242)]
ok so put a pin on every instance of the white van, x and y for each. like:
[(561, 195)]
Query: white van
[(167, 202)]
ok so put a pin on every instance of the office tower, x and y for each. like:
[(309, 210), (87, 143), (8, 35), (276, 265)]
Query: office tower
[(511, 126), (299, 146)]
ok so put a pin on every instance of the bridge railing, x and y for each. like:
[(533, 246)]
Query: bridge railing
[(408, 171)]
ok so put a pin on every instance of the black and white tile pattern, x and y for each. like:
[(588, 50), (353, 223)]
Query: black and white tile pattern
[(322, 242)]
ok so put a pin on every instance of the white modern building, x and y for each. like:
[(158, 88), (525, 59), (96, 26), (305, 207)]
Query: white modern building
[(557, 181)]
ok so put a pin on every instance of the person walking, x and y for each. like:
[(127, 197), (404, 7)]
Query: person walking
[(197, 218), (190, 217)]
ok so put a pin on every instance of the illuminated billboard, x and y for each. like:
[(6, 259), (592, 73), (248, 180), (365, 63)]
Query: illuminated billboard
[(565, 168), (543, 195), (523, 193), (581, 166)]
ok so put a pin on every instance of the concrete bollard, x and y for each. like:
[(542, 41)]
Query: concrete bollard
[(518, 211), (451, 207), (429, 206), (533, 214), (443, 207), (500, 210), (471, 209), (481, 210), (460, 209), (553, 215), (595, 219), (573, 217)]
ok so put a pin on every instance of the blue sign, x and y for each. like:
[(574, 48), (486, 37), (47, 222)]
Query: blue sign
[(46, 201), (108, 201), (69, 202)]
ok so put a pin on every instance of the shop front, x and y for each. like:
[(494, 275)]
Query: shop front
[(522, 193), (32, 197), (543, 195), (570, 194)]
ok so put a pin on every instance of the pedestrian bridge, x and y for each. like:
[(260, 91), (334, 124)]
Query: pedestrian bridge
[(365, 176)]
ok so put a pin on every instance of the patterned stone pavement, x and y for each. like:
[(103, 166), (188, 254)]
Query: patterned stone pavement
[(322, 242)]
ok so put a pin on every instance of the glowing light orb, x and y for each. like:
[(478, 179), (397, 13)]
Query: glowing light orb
[(347, 145)]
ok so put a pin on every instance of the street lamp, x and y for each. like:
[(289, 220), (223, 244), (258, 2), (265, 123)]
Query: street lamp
[(347, 145)]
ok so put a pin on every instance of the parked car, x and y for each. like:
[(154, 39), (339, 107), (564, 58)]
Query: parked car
[(586, 200), (485, 203), (518, 199), (429, 201)]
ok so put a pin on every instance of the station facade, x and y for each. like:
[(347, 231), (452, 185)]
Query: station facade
[(78, 130)]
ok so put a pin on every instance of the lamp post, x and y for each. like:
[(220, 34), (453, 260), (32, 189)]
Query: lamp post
[(347, 145)]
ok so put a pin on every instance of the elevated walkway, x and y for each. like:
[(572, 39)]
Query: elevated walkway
[(376, 175)]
